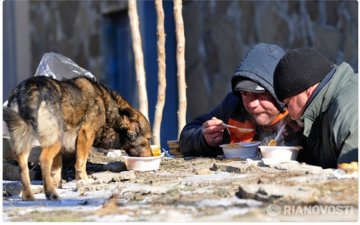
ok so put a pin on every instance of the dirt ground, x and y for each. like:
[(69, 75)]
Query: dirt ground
[(195, 190)]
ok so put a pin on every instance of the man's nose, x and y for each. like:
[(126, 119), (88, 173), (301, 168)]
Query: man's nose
[(253, 103)]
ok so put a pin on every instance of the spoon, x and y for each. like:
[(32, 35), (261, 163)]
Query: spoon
[(244, 130), (273, 142)]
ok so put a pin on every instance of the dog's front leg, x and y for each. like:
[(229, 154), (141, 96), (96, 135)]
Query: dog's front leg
[(46, 162), (84, 142)]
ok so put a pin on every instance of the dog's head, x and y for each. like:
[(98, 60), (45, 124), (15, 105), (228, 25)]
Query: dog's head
[(137, 132), (126, 129)]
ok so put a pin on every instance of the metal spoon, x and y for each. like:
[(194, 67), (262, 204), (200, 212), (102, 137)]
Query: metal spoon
[(244, 130)]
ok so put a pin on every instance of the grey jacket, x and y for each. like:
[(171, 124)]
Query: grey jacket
[(331, 120)]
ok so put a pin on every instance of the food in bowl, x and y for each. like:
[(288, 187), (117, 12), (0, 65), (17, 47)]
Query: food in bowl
[(280, 153), (143, 163), (241, 149), (156, 150)]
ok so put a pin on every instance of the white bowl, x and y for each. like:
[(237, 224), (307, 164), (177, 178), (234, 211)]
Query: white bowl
[(241, 149), (280, 153), (143, 163)]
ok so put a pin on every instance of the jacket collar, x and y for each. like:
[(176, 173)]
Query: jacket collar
[(321, 100)]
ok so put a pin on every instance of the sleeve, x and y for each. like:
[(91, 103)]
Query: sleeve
[(347, 140), (345, 128), (192, 142)]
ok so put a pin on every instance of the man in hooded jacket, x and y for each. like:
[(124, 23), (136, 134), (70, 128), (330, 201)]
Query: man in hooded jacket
[(252, 104)]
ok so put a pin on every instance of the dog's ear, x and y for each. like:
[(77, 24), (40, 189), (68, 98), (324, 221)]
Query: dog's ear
[(128, 112), (133, 129), (129, 122)]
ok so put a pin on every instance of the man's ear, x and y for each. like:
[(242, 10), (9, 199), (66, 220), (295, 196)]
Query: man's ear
[(311, 90)]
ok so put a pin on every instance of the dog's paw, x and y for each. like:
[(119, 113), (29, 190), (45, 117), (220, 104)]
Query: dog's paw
[(27, 197), (52, 196)]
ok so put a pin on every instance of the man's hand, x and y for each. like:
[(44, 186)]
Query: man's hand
[(212, 131)]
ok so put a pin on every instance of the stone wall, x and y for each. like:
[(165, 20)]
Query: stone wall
[(218, 34), (71, 28)]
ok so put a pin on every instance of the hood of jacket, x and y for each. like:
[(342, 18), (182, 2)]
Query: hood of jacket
[(259, 65)]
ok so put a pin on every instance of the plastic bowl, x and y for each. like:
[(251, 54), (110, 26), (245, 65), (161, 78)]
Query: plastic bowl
[(280, 153), (241, 149), (143, 163)]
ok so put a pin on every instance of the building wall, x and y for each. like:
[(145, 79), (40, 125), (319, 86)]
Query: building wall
[(218, 35), (16, 44)]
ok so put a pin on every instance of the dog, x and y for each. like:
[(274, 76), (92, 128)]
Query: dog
[(70, 116)]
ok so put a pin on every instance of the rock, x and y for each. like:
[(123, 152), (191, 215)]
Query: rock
[(270, 192), (124, 176), (114, 154), (98, 156), (102, 181), (9, 155), (88, 181), (11, 188), (37, 189), (35, 154), (235, 167), (202, 171), (11, 171), (104, 177), (115, 166), (107, 177), (302, 168)]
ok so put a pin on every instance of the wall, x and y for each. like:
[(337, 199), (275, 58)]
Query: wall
[(219, 34)]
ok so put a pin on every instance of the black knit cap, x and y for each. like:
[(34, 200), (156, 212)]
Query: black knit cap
[(298, 70)]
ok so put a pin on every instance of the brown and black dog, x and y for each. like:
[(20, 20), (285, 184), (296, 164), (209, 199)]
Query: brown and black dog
[(70, 116)]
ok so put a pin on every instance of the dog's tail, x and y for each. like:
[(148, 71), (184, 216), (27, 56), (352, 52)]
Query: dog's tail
[(21, 133)]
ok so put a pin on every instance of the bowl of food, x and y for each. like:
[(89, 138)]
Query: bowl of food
[(280, 153), (241, 149), (143, 163)]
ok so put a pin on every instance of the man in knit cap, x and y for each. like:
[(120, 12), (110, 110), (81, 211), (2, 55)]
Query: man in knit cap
[(323, 98)]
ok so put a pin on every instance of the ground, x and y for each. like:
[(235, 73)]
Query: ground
[(194, 190)]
